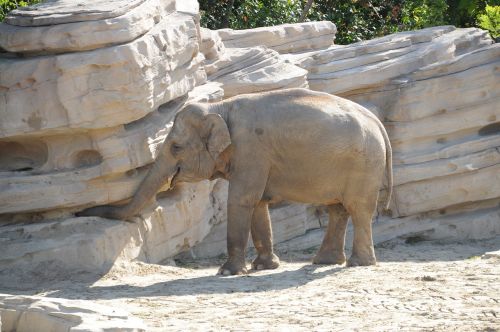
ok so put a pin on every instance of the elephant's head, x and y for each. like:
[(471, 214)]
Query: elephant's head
[(193, 146)]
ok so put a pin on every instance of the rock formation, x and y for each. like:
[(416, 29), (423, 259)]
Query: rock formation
[(286, 38), (35, 313), (88, 93), (87, 96), (81, 121)]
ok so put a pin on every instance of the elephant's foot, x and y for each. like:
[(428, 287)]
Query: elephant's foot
[(233, 268), (356, 260), (266, 262), (329, 257)]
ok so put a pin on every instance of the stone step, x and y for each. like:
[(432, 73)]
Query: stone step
[(172, 223), (284, 38), (256, 69), (446, 166), (441, 192), (70, 28)]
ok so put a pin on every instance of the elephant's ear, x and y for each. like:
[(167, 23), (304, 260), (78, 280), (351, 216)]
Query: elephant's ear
[(218, 138)]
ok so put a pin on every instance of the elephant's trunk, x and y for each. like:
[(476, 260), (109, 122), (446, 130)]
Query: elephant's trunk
[(163, 171)]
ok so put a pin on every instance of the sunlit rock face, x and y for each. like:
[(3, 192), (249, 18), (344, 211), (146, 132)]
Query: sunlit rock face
[(88, 94), (285, 38)]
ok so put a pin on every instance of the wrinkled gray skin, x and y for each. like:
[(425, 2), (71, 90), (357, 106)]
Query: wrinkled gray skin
[(294, 145)]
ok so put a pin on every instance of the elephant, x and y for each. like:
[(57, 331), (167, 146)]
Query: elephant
[(293, 145)]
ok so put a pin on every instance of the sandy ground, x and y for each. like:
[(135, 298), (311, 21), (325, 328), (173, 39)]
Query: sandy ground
[(415, 286)]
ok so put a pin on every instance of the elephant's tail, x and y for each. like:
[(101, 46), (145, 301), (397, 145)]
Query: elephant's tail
[(388, 164)]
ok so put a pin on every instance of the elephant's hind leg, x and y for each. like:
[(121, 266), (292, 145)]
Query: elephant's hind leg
[(262, 237), (332, 248), (363, 253)]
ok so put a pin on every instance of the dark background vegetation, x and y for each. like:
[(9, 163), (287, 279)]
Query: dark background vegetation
[(355, 19)]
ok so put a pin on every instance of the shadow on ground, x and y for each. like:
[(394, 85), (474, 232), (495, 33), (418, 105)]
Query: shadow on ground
[(82, 285), (253, 282)]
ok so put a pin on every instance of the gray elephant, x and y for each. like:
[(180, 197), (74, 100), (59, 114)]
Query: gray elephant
[(294, 145)]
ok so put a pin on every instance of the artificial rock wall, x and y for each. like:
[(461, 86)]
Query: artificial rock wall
[(87, 96)]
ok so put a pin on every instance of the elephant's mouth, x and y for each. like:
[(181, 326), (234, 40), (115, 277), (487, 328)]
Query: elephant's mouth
[(173, 179)]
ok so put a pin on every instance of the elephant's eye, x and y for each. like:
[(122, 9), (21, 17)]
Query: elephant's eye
[(176, 148)]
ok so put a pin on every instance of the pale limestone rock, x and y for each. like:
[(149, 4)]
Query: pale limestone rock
[(328, 57), (206, 93), (471, 79), (451, 120), (211, 45), (36, 313), (93, 184), (285, 38), (88, 244), (468, 79), (100, 88), (491, 254), (448, 135), (471, 220), (446, 166), (93, 167), (361, 65), (181, 218), (84, 35), (187, 6), (248, 70), (460, 146), (66, 11), (441, 192), (176, 221)]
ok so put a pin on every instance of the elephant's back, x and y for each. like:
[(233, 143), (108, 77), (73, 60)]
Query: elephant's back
[(299, 103), (303, 118)]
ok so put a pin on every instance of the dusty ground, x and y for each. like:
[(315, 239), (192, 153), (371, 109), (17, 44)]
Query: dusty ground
[(415, 286)]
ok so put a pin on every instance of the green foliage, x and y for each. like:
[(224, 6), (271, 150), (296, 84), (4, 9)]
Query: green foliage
[(423, 13), (255, 13), (355, 19), (490, 20), (241, 14), (358, 20), (8, 5), (463, 13)]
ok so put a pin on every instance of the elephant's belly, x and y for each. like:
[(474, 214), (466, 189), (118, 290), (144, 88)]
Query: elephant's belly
[(316, 176), (289, 188)]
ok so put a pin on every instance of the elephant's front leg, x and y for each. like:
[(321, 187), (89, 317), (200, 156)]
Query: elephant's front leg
[(262, 237), (246, 187), (238, 229)]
